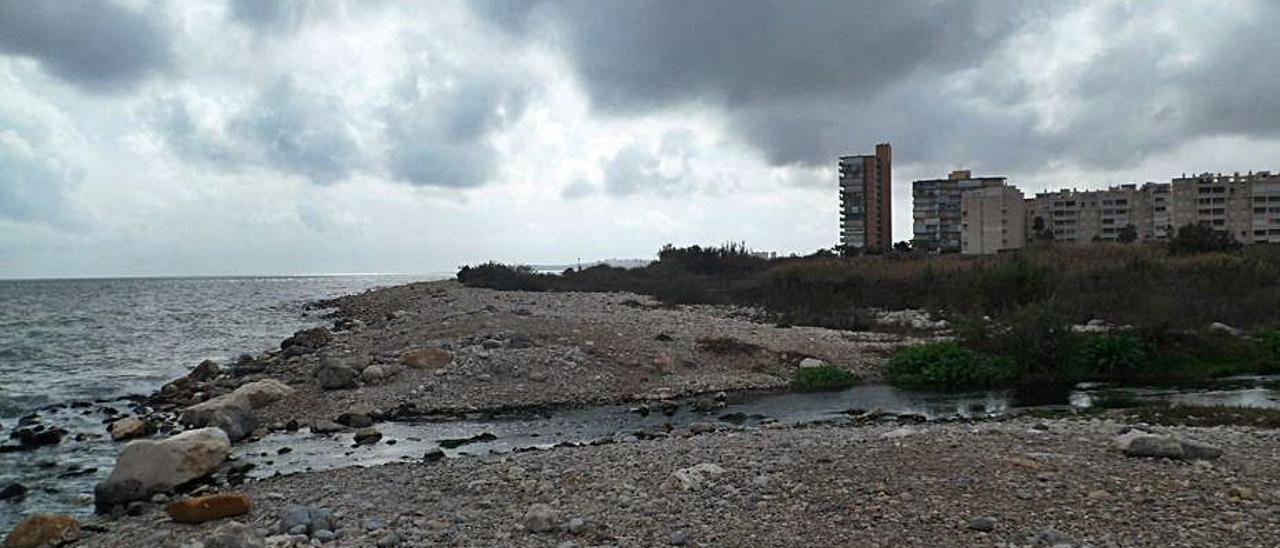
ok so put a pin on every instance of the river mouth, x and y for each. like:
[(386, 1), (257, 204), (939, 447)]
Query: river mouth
[(61, 477)]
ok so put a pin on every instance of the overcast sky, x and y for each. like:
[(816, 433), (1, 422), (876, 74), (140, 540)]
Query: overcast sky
[(143, 137)]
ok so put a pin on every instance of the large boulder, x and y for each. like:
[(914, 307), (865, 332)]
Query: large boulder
[(233, 413), (43, 530), (206, 371), (209, 508), (264, 392), (336, 373), (310, 339), (145, 467), (1137, 443)]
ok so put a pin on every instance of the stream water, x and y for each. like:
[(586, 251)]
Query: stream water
[(62, 479)]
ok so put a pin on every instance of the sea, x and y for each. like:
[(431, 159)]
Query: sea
[(89, 339)]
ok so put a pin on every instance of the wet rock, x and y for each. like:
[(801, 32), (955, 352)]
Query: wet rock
[(209, 508), (310, 339), (129, 428), (147, 466), (426, 358), (679, 538), (13, 491), (232, 413), (705, 404), (432, 455), (540, 518), (459, 442), (335, 374), (367, 436), (42, 530), (325, 426), (355, 420), (234, 535), (38, 436), (206, 371)]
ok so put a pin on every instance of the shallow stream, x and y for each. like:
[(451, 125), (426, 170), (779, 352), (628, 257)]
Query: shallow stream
[(61, 479)]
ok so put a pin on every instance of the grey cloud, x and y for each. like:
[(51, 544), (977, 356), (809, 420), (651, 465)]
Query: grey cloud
[(578, 189), (634, 169), (285, 128), (97, 45), (301, 132), (806, 81), (440, 135), (276, 15), (34, 184), (786, 72)]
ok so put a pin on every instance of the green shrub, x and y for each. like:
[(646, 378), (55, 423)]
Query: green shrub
[(1110, 356), (947, 364), (823, 377), (1269, 341)]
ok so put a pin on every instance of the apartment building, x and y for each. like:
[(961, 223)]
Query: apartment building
[(1245, 206), (936, 206), (1266, 209), (866, 213), (993, 219), (1101, 215)]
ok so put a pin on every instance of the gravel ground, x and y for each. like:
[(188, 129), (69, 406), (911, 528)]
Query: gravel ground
[(581, 348), (1038, 482)]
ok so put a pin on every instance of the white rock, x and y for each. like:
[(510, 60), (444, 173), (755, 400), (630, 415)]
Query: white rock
[(899, 433), (811, 362), (695, 477)]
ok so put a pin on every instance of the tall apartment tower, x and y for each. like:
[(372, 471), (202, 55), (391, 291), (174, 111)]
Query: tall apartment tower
[(866, 190)]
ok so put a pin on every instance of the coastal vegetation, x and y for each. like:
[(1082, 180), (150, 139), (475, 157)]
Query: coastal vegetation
[(1190, 309), (821, 378)]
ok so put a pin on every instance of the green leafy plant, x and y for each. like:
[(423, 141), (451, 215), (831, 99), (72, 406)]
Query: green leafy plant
[(947, 364), (822, 378)]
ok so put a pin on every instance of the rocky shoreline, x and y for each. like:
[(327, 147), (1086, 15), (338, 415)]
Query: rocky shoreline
[(441, 351)]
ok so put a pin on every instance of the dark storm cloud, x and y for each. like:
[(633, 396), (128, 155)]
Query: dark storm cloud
[(784, 71), (807, 81), (96, 45)]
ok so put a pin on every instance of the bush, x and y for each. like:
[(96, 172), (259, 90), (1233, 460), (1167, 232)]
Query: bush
[(1194, 238), (504, 277), (823, 377), (947, 364), (1111, 357)]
